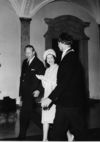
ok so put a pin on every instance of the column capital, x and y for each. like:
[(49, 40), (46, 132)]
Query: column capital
[(23, 19)]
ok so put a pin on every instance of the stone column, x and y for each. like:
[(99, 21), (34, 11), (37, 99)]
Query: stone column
[(25, 34), (99, 33)]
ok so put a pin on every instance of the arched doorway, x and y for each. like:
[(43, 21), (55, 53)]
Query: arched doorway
[(75, 27)]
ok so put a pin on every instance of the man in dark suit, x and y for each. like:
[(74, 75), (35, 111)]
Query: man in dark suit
[(30, 88), (69, 94)]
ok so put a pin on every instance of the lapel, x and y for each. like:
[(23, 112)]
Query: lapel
[(33, 63), (65, 57), (70, 50)]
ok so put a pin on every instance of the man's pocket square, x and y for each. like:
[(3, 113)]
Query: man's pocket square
[(32, 69)]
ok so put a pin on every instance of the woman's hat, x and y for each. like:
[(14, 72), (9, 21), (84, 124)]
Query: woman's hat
[(49, 52)]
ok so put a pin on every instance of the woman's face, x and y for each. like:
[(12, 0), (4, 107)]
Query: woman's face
[(50, 59)]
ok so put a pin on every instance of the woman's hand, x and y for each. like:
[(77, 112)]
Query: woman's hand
[(45, 102), (40, 77)]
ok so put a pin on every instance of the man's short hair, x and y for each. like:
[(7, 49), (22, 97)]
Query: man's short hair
[(30, 46), (65, 38)]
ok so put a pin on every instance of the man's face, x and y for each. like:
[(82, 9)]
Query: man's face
[(62, 46), (29, 53)]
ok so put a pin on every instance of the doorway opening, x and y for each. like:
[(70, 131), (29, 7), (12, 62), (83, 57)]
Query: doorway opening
[(74, 27)]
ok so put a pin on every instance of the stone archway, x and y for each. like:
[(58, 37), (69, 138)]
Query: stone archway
[(75, 27)]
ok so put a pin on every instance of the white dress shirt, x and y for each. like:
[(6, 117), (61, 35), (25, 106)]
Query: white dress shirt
[(66, 52), (29, 61)]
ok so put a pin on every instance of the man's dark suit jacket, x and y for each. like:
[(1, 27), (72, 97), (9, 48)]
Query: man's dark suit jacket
[(29, 82), (70, 85)]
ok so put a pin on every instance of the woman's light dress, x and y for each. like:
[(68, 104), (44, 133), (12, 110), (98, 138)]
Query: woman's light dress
[(49, 82)]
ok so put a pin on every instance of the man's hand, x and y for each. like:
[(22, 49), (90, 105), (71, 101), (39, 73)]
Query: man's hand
[(19, 101), (45, 102), (36, 93)]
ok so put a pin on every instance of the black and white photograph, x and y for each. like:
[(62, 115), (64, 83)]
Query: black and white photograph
[(50, 70)]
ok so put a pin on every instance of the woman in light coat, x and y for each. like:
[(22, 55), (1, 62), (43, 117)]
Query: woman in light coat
[(49, 83)]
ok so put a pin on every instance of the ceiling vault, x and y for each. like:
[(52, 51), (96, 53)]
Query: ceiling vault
[(28, 8)]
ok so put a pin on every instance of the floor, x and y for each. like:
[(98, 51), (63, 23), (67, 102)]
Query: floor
[(9, 128)]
